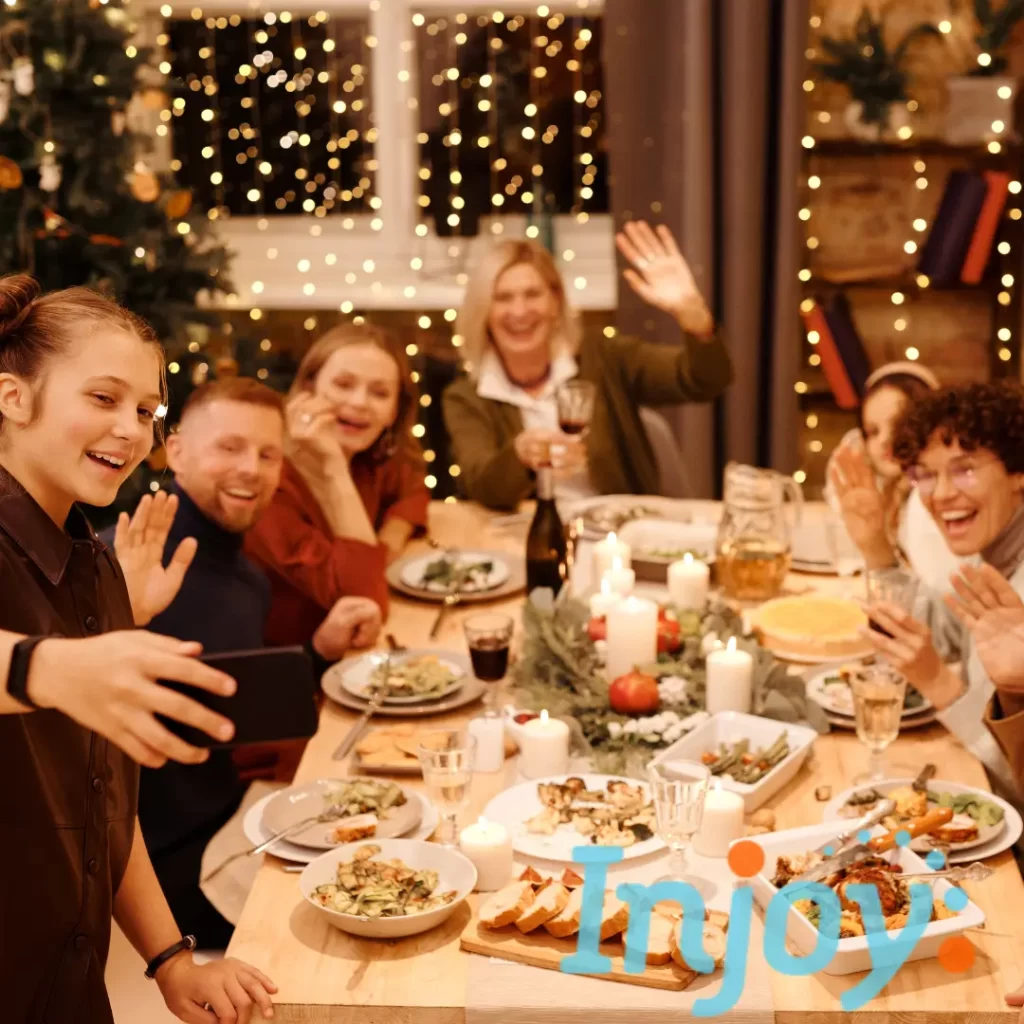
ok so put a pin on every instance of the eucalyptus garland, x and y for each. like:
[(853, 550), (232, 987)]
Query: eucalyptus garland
[(561, 669)]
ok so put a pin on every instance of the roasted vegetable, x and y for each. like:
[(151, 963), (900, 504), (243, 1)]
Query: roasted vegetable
[(738, 763)]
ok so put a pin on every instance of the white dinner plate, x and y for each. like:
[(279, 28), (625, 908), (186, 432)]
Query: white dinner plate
[(1003, 839), (256, 832), (357, 675), (297, 803), (514, 807), (837, 698), (414, 568)]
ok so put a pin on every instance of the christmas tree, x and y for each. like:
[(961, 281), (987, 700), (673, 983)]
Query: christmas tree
[(80, 201)]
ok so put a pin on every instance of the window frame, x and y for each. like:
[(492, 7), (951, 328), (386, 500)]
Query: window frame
[(590, 277)]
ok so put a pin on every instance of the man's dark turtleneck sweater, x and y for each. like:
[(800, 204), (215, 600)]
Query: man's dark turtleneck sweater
[(223, 603)]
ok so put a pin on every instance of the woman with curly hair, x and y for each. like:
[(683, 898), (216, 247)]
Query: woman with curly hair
[(880, 510), (963, 448)]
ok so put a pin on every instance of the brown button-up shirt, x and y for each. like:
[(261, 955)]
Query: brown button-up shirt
[(68, 797)]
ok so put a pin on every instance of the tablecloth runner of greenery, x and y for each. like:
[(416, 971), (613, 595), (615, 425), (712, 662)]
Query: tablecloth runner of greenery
[(561, 669)]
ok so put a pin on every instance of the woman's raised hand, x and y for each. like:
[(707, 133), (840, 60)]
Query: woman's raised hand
[(139, 545), (994, 613), (661, 276), (312, 426), (860, 502)]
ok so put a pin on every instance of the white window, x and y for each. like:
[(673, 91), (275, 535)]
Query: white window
[(361, 151)]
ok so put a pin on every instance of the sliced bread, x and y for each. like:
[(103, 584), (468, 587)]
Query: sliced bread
[(659, 940), (714, 945), (614, 917), (507, 905), (567, 922), (547, 903)]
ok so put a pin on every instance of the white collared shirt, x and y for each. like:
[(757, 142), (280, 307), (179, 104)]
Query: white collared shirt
[(538, 412)]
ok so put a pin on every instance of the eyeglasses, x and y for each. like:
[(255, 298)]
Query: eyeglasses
[(961, 477)]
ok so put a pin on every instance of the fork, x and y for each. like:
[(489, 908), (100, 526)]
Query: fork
[(329, 814), (364, 719), (450, 601)]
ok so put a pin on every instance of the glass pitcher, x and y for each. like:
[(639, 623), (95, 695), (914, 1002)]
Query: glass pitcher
[(754, 536)]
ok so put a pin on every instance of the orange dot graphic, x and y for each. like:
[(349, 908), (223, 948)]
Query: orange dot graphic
[(956, 954), (746, 859)]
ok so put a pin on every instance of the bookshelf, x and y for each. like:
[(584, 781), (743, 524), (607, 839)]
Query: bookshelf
[(864, 204)]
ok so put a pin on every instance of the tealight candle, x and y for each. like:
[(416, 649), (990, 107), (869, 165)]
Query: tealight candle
[(619, 579), (688, 582), (721, 823), (544, 747), (632, 636), (607, 550), (488, 846), (603, 600), (730, 679)]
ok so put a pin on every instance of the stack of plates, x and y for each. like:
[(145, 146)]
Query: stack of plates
[(833, 695), (352, 683), (414, 819)]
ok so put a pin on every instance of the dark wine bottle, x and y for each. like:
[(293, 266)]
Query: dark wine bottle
[(546, 552)]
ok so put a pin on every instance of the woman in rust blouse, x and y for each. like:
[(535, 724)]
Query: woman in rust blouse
[(352, 489)]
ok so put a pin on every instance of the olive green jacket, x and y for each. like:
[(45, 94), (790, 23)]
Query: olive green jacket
[(628, 374)]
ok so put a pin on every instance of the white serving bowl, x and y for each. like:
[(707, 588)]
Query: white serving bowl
[(732, 726), (455, 871), (853, 954), (644, 535)]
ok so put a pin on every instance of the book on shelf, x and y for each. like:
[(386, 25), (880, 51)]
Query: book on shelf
[(843, 359), (954, 228), (980, 248)]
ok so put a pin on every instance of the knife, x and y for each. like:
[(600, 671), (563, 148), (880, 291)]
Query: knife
[(363, 721), (836, 844), (880, 844)]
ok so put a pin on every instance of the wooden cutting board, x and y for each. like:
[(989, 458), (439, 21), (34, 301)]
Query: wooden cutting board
[(539, 949)]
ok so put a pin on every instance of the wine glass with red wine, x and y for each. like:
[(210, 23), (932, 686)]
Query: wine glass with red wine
[(489, 637), (575, 406)]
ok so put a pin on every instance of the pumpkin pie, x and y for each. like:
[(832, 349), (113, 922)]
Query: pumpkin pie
[(812, 627)]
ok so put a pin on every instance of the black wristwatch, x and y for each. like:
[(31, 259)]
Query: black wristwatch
[(17, 674), (185, 942)]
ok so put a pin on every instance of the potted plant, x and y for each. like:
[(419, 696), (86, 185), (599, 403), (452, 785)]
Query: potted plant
[(873, 73), (981, 101)]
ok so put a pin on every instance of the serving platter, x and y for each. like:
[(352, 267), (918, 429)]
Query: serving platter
[(515, 806)]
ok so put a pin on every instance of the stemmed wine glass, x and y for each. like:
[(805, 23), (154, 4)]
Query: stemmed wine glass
[(878, 693), (575, 400), (678, 789), (489, 637), (446, 758)]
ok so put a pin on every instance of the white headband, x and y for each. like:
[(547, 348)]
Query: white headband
[(916, 370)]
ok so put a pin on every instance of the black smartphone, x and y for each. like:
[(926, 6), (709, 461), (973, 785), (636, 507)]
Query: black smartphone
[(275, 699), (872, 624)]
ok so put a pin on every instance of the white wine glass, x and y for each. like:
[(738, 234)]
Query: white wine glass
[(878, 693), (447, 757), (678, 789)]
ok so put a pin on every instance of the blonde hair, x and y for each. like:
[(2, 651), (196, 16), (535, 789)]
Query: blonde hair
[(476, 304), (397, 437)]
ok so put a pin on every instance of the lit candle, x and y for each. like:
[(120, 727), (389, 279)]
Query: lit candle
[(488, 846), (632, 636), (490, 743), (619, 579), (688, 582), (730, 679), (607, 550), (602, 601), (544, 747), (721, 823)]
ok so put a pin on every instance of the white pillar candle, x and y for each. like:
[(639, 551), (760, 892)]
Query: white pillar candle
[(603, 600), (607, 550), (490, 743), (544, 747), (730, 680), (721, 823), (619, 579), (688, 582), (488, 846), (632, 636)]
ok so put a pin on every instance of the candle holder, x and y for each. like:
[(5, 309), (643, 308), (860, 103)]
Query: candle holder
[(678, 789)]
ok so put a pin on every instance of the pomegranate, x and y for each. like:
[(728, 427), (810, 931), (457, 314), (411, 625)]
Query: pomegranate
[(669, 639), (597, 629), (634, 694)]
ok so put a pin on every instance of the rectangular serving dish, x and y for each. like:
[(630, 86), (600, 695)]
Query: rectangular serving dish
[(853, 954), (732, 726)]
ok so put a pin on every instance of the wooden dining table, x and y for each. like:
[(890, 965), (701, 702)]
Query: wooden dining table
[(328, 977)]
